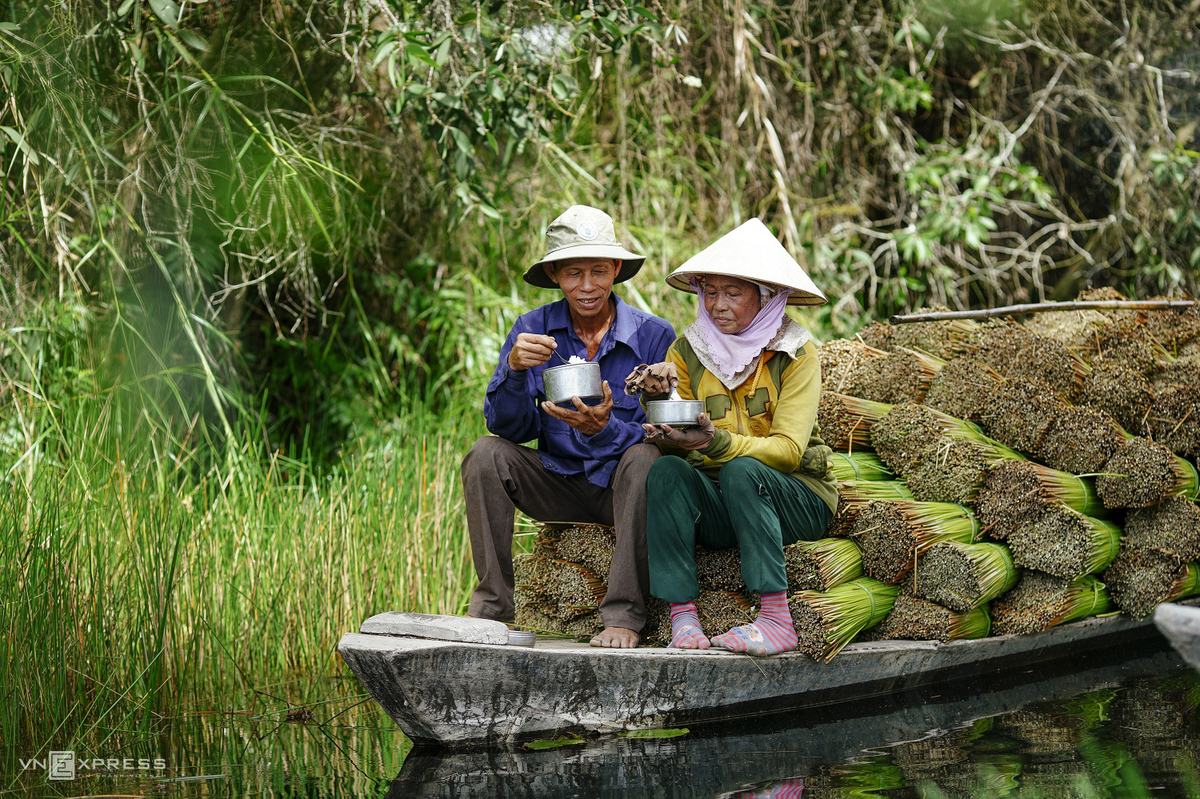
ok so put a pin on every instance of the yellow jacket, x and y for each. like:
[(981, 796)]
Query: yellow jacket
[(771, 417)]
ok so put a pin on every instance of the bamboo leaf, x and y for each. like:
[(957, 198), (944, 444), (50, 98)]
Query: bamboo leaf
[(194, 40), (22, 145), (167, 11)]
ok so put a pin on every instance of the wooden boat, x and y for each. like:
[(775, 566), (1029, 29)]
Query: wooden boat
[(1181, 625), (464, 693)]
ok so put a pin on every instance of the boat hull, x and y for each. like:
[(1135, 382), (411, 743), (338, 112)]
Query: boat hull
[(463, 695), (1181, 625)]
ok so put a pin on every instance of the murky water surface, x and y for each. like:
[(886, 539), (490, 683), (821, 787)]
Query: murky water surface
[(1129, 728)]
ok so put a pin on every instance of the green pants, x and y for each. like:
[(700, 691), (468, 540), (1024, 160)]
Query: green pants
[(753, 506)]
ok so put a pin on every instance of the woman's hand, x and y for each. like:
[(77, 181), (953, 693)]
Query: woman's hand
[(655, 381), (692, 438)]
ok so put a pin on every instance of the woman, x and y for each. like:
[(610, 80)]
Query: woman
[(753, 471)]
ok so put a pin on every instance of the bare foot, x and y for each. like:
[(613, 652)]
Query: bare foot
[(616, 637)]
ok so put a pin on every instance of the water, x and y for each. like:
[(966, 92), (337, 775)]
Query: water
[(1129, 728)]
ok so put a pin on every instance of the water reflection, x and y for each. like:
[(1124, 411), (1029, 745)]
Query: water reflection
[(1076, 734)]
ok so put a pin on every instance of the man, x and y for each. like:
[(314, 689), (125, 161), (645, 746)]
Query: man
[(590, 464)]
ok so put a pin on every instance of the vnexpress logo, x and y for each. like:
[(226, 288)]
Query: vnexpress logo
[(61, 766)]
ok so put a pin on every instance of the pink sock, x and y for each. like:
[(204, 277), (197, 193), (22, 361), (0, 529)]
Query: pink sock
[(771, 633), (685, 627)]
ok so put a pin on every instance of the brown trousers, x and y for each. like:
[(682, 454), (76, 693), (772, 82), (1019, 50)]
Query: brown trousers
[(499, 476)]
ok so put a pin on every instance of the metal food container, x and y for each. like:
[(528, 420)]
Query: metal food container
[(572, 380), (677, 413), (522, 638)]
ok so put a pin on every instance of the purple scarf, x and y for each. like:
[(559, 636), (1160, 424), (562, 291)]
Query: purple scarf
[(734, 352)]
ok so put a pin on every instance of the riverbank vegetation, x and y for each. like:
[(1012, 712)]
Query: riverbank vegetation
[(256, 264)]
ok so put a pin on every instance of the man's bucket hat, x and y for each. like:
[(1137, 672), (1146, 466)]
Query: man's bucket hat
[(583, 232), (750, 252)]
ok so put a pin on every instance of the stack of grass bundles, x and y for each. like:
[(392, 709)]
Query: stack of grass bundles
[(1040, 601), (964, 388), (916, 619), (1174, 416), (1081, 440), (1175, 328), (1015, 352), (540, 588), (719, 569), (570, 590), (721, 611), (910, 436), (964, 576), (826, 621), (1078, 330), (589, 545), (943, 339), (846, 421), (1065, 543), (840, 357), (859, 467), (853, 495), (1121, 392), (1021, 414), (1171, 527), (900, 376), (893, 534), (822, 564), (1140, 579), (1015, 494), (1144, 473)]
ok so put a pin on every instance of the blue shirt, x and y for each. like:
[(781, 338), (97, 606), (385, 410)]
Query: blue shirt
[(513, 405)]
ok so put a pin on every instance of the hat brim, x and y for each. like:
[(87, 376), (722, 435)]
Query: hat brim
[(682, 281), (630, 266)]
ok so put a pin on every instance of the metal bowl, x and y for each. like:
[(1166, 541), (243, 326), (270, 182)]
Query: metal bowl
[(522, 638), (677, 413), (572, 380)]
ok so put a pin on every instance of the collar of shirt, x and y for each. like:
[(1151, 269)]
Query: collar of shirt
[(623, 329)]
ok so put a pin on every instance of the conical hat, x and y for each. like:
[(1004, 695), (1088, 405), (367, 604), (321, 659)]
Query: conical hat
[(750, 252)]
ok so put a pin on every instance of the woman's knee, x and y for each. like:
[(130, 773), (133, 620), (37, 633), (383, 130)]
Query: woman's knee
[(742, 474)]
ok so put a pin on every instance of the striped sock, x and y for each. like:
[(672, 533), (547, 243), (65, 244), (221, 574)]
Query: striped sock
[(771, 633), (685, 627)]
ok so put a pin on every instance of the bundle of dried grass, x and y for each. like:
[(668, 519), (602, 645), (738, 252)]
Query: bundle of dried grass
[(822, 564), (545, 543), (839, 358), (1143, 473), (846, 421), (1015, 493), (1077, 330), (1040, 601), (964, 388), (567, 590), (1119, 391), (1173, 419), (952, 470), (1081, 440), (1173, 328), (916, 619), (964, 576), (859, 467), (900, 376), (1021, 414), (657, 631), (852, 495), (538, 604), (826, 621), (1017, 353), (719, 569), (1065, 543), (893, 534), (589, 545), (943, 339), (903, 437), (721, 611), (1139, 579), (1171, 527), (1127, 341)]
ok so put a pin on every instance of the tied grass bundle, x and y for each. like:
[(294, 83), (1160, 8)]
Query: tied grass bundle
[(826, 621), (1015, 494), (1140, 579), (1144, 473), (859, 467), (906, 435), (1065, 543), (964, 388), (840, 357), (846, 421), (545, 543), (942, 339), (589, 545), (964, 576), (952, 470), (1018, 353), (854, 495), (893, 534), (1121, 392), (1022, 414), (565, 590), (1081, 440), (538, 606), (916, 619), (903, 375), (1174, 416), (1171, 527), (1040, 601), (657, 631), (820, 565), (721, 611), (1173, 328), (719, 569)]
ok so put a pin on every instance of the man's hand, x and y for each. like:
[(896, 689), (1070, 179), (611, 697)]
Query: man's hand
[(656, 381), (692, 438), (587, 420), (530, 349)]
